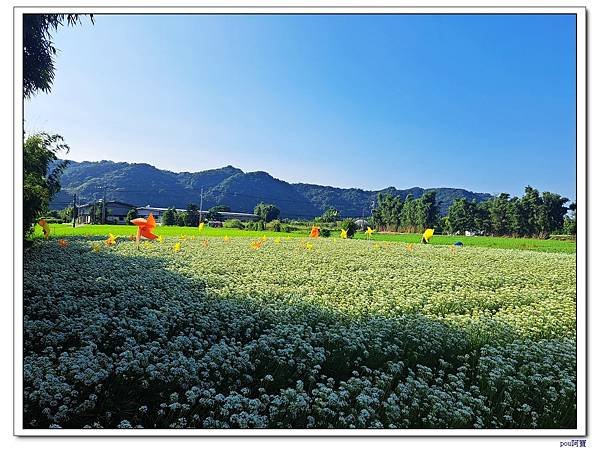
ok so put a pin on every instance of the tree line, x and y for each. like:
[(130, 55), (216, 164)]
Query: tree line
[(191, 216), (531, 215), (409, 215)]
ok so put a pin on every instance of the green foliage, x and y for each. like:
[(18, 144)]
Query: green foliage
[(96, 213), (39, 50), (213, 213), (461, 216), (387, 214), (570, 223), (234, 223), (427, 210), (350, 226), (131, 215), (192, 218), (551, 213), (50, 219), (62, 216), (66, 214), (256, 226), (274, 225), (331, 215), (40, 181), (531, 215), (266, 212), (325, 232), (182, 219), (169, 218), (408, 215)]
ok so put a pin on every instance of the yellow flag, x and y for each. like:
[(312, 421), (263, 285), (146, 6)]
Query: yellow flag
[(112, 240), (344, 234), (427, 235), (369, 232), (201, 227), (177, 247)]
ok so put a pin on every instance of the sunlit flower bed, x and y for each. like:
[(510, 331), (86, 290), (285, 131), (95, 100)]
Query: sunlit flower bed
[(314, 333)]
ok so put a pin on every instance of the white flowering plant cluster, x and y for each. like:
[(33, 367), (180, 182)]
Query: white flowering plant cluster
[(339, 334)]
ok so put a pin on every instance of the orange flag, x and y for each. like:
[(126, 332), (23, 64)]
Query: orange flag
[(145, 227), (42, 223), (314, 232)]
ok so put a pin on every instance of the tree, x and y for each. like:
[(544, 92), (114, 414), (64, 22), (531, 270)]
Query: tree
[(461, 216), (350, 226), (131, 215), (516, 219), (192, 218), (330, 215), (482, 217), (213, 213), (500, 214), (66, 214), (408, 219), (551, 213), (182, 218), (266, 212), (41, 175), (388, 212), (570, 220), (426, 211), (39, 50), (96, 213), (530, 203), (169, 218)]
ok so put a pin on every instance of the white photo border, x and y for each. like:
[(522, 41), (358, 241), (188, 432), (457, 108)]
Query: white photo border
[(270, 7)]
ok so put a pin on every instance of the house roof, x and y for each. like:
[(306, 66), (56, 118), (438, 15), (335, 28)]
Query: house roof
[(110, 202)]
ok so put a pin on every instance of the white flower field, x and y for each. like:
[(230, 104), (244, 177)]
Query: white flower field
[(297, 333)]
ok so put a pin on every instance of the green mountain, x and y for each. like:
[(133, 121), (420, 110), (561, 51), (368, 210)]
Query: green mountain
[(143, 184)]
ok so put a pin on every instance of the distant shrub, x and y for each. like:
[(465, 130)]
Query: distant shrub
[(256, 226), (288, 228), (234, 223), (350, 226), (325, 232), (274, 225), (54, 220)]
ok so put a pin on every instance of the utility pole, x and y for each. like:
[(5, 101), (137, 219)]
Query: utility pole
[(74, 208), (103, 220), (201, 198)]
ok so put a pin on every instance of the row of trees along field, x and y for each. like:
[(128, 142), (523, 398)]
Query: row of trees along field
[(191, 216), (409, 216), (532, 215)]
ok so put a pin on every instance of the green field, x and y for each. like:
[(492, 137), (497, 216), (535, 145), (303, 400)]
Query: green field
[(543, 245)]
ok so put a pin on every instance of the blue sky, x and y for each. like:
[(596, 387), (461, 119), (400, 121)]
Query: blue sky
[(483, 102)]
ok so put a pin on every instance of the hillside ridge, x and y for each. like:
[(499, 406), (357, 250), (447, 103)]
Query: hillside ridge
[(144, 184)]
